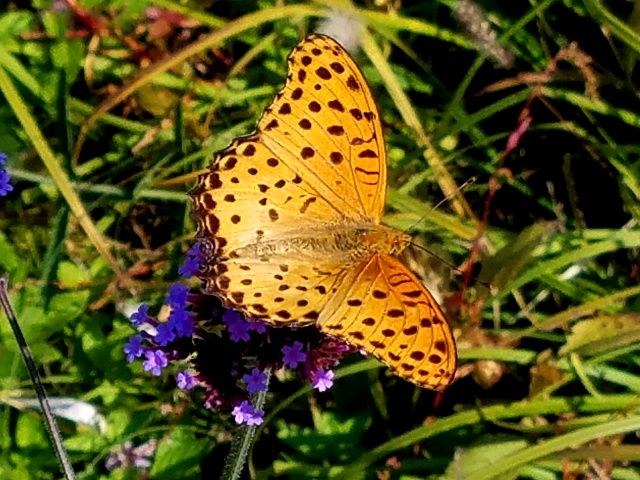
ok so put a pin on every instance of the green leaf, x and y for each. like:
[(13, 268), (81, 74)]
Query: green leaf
[(31, 317), (13, 24), (30, 431), (71, 274), (489, 449), (179, 455), (300, 470), (8, 361), (104, 351), (511, 259), (575, 253), (15, 468), (10, 261), (87, 440), (126, 421), (45, 353), (118, 421), (65, 307), (107, 392), (333, 438), (601, 334)]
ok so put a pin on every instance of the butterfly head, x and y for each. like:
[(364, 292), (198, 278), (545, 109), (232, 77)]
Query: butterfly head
[(397, 241)]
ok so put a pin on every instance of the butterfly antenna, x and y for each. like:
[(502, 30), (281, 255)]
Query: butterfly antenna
[(468, 182), (446, 262), (50, 420), (435, 255)]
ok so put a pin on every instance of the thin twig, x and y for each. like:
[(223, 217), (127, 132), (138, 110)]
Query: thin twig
[(50, 420)]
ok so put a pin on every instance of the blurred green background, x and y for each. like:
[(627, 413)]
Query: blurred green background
[(109, 108)]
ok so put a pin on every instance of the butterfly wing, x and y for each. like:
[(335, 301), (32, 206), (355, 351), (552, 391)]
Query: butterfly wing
[(326, 123), (387, 311), (316, 161)]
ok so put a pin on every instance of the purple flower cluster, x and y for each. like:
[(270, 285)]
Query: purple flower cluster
[(223, 355), (5, 179), (153, 334)]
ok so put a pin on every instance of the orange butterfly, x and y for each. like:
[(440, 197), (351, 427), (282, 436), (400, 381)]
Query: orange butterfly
[(292, 215)]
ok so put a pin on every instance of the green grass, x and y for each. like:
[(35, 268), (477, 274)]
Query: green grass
[(106, 130)]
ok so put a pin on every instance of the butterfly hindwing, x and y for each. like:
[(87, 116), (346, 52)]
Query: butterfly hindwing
[(389, 313)]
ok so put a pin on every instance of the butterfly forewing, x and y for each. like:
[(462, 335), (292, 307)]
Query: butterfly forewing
[(326, 123)]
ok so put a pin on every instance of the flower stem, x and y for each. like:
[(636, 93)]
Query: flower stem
[(243, 439)]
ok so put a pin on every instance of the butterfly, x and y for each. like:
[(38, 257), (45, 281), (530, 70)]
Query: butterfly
[(291, 218)]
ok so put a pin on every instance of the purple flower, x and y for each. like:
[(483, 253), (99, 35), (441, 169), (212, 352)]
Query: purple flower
[(185, 380), (293, 354), (244, 413), (177, 296), (165, 334), (192, 261), (133, 348), (189, 268), (257, 326), (125, 456), (322, 380), (181, 322), (237, 326), (155, 362), (256, 381), (140, 316), (5, 183), (3, 159)]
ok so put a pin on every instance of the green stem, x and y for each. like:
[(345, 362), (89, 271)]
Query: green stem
[(102, 189), (243, 440), (525, 408), (556, 444)]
